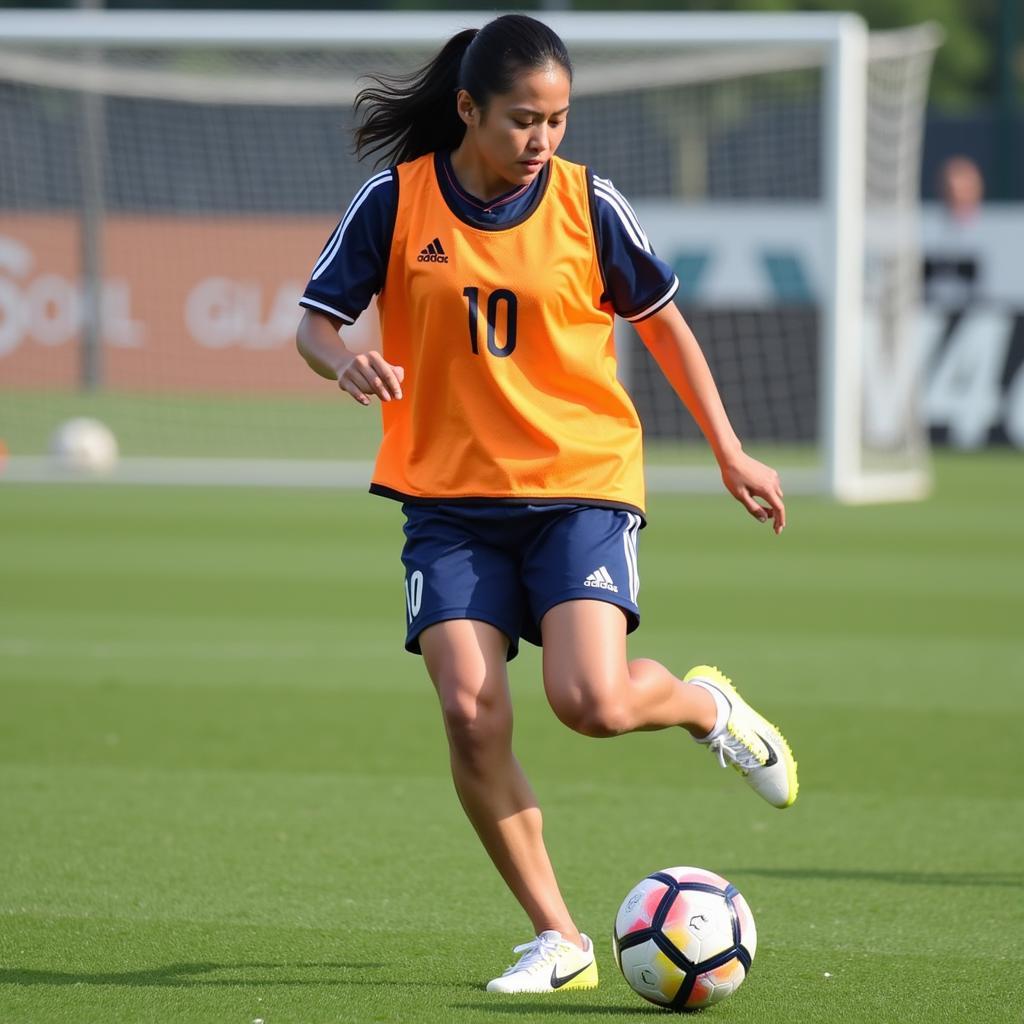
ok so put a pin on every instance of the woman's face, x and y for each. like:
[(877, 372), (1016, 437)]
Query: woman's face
[(518, 131)]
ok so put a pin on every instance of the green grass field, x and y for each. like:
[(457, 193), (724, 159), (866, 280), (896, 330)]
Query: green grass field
[(224, 793)]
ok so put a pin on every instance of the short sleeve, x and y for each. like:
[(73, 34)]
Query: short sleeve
[(638, 283), (351, 267)]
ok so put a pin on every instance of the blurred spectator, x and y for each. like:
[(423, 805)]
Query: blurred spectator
[(952, 268), (962, 187)]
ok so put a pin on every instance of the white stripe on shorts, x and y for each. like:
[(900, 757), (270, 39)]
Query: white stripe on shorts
[(629, 540)]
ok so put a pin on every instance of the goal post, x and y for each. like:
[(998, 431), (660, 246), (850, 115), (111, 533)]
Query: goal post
[(224, 131), (844, 97)]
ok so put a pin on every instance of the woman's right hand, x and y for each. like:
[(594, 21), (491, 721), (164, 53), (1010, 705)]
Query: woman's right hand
[(368, 374)]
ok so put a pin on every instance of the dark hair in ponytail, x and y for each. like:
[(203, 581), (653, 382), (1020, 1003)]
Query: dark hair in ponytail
[(408, 116)]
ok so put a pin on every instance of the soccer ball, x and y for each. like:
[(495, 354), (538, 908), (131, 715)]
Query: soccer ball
[(84, 445), (684, 938)]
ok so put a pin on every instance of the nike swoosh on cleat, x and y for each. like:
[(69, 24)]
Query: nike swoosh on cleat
[(557, 982), (772, 756)]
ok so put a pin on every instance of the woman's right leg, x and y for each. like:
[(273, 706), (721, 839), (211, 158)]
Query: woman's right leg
[(466, 661)]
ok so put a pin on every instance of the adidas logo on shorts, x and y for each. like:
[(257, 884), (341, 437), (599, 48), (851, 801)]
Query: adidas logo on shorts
[(432, 253), (601, 578)]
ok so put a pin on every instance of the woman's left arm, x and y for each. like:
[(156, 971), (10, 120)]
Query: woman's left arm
[(675, 349)]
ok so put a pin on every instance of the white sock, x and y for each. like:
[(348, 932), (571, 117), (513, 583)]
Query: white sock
[(722, 706)]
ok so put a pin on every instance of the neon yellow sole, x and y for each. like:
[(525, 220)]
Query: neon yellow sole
[(588, 979), (721, 680)]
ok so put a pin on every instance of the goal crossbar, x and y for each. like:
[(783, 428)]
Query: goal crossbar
[(391, 29)]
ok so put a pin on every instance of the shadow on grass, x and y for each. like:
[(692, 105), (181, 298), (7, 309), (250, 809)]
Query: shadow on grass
[(545, 1008), (190, 975), (961, 879)]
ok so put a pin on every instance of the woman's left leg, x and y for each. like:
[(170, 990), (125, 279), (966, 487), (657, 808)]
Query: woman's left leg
[(595, 690)]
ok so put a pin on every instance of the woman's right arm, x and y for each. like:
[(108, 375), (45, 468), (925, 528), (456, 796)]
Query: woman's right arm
[(362, 375)]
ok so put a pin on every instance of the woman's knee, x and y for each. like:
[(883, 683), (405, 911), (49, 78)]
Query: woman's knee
[(591, 707), (477, 725), (466, 661)]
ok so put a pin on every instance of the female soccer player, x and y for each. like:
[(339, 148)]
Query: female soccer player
[(515, 451)]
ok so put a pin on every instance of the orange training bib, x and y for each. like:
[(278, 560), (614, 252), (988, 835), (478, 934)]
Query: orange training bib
[(510, 387)]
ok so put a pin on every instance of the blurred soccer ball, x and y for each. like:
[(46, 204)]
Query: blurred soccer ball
[(84, 445), (684, 938)]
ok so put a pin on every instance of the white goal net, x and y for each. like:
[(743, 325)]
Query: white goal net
[(166, 182)]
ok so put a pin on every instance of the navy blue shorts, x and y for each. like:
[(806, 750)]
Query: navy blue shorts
[(507, 565)]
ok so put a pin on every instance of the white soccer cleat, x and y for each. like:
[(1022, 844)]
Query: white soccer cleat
[(749, 742), (549, 963)]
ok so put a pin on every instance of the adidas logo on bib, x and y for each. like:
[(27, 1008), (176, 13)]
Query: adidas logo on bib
[(432, 253), (601, 578)]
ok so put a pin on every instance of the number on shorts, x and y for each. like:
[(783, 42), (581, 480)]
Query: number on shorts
[(413, 594)]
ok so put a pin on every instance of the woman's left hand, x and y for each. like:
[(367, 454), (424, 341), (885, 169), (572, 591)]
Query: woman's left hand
[(748, 480)]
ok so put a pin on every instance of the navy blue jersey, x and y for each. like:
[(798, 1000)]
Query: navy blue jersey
[(352, 265)]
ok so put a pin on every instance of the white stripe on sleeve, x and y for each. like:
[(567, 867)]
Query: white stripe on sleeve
[(330, 244), (306, 301), (623, 204), (658, 303), (335, 244), (639, 240)]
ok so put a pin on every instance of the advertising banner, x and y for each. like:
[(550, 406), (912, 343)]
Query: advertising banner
[(194, 304), (189, 304)]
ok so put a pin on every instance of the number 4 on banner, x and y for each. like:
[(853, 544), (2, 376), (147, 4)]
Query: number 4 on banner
[(964, 391), (1014, 416)]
